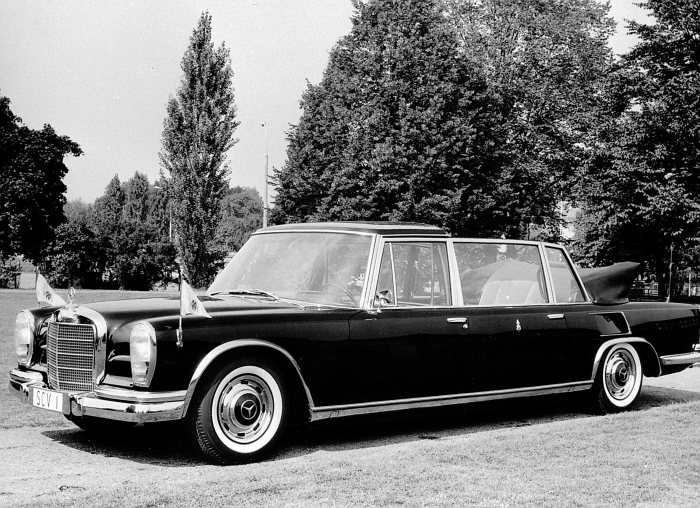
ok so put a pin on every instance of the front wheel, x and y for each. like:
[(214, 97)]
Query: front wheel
[(619, 380), (241, 413)]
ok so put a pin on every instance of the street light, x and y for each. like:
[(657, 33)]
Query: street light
[(267, 160)]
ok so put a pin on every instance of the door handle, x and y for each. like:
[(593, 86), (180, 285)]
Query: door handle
[(459, 320), (555, 316)]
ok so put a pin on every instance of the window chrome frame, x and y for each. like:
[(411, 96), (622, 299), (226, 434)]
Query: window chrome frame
[(503, 241), (371, 255), (572, 267), (381, 242)]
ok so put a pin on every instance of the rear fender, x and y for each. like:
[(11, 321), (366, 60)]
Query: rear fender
[(651, 367)]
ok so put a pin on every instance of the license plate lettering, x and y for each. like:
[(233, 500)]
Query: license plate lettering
[(47, 399)]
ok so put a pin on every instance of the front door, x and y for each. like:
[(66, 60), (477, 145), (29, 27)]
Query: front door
[(413, 344)]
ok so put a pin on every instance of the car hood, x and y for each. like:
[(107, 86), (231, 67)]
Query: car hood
[(120, 312)]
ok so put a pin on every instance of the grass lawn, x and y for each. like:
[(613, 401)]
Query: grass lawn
[(534, 452)]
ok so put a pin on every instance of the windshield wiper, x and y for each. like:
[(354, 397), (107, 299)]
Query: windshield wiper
[(247, 292)]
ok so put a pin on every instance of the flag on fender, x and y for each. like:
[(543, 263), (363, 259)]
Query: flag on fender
[(189, 303), (44, 293)]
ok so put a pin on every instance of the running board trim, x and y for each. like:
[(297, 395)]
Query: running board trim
[(326, 412)]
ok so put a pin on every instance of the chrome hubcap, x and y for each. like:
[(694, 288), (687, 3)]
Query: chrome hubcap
[(244, 408), (620, 374)]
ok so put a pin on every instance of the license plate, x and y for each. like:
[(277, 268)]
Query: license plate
[(47, 399)]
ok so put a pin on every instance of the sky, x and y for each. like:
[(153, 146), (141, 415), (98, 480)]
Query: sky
[(101, 72)]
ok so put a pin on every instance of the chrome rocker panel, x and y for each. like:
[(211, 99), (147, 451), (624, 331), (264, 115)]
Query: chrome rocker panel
[(326, 412)]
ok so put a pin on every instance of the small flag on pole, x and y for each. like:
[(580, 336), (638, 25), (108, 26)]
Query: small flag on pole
[(44, 293), (189, 303)]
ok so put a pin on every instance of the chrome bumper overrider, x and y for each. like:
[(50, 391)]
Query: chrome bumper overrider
[(683, 359), (107, 402)]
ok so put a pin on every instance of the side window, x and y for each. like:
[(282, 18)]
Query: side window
[(565, 285), (500, 274), (415, 274)]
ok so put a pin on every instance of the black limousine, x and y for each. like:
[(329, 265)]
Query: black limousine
[(316, 321)]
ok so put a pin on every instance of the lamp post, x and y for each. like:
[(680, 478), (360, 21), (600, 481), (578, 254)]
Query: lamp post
[(267, 160)]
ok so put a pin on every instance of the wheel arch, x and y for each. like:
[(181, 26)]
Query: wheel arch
[(651, 367), (222, 353)]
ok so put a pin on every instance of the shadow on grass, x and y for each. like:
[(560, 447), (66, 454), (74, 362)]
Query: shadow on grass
[(166, 445), (162, 444)]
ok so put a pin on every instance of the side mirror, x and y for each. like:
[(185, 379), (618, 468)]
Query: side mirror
[(383, 298)]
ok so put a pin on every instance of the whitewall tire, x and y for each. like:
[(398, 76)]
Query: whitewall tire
[(619, 379), (242, 413)]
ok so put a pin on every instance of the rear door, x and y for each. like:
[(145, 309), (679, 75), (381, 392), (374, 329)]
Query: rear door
[(518, 335)]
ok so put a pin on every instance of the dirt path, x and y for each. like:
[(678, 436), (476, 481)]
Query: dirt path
[(41, 465)]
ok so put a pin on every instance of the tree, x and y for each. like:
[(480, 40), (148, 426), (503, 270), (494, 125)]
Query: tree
[(241, 216), (136, 198), (31, 185), (107, 224), (401, 127), (129, 228), (73, 256), (198, 131), (649, 184), (547, 64), (109, 208)]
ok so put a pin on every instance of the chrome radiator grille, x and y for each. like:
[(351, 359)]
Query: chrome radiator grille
[(70, 356)]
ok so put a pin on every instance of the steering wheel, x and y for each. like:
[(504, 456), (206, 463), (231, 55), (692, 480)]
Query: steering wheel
[(338, 286)]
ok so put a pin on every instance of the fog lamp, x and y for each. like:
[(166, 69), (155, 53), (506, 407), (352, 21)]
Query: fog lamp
[(142, 351)]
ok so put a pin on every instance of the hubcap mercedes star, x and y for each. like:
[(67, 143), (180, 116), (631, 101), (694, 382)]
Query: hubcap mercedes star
[(244, 408), (620, 375)]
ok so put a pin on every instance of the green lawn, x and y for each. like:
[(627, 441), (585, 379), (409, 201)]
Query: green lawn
[(536, 452)]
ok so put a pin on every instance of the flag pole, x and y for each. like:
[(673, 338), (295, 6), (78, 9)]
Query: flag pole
[(179, 342)]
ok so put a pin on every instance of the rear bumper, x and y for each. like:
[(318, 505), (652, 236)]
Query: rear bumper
[(106, 402), (683, 359)]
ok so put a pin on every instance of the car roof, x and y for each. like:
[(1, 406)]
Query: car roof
[(379, 228)]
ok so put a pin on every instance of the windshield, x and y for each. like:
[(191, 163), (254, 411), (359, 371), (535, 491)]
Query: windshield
[(323, 268)]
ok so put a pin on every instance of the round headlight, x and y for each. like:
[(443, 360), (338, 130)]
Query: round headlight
[(142, 351), (24, 338)]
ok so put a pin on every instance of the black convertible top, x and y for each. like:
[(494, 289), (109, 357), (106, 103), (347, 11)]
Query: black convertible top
[(610, 284)]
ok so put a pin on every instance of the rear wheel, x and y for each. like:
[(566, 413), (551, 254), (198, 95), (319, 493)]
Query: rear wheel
[(619, 380), (241, 413)]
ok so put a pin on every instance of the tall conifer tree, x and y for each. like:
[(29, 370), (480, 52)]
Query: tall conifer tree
[(398, 129), (198, 132)]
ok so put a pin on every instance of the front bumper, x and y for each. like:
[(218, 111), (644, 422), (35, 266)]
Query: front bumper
[(106, 402)]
